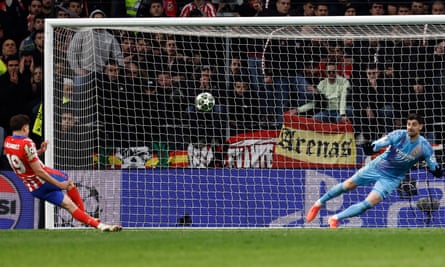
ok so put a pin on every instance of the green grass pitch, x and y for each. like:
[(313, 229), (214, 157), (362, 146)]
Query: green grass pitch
[(231, 248)]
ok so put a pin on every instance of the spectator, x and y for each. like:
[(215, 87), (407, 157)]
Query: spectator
[(391, 8), (407, 62), (75, 9), (314, 48), (307, 9), (336, 54), (322, 9), (62, 12), (437, 74), (251, 8), (135, 81), (281, 8), (113, 102), (438, 8), (228, 8), (89, 51), (128, 48), (255, 51), (403, 9), (144, 55), (173, 58), (48, 9), (311, 73), (228, 75), (157, 42), (207, 127), (37, 52), (338, 8), (9, 48), (333, 91), (197, 13), (302, 85), (394, 89), (73, 148), (136, 86), (376, 8), (243, 106), (168, 113), (34, 9), (14, 20), (37, 25), (196, 62), (171, 8), (207, 8), (438, 59), (372, 109), (27, 66), (151, 8), (36, 91), (417, 7), (279, 66), (15, 92), (37, 81), (371, 51), (350, 11)]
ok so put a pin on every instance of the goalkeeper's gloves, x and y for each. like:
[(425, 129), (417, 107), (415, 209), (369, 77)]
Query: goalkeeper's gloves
[(437, 172), (368, 148)]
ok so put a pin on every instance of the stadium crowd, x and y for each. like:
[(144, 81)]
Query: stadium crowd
[(369, 83)]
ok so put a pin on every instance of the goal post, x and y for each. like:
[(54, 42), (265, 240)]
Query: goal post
[(121, 120)]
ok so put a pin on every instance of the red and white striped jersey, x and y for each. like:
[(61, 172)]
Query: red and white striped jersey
[(21, 151), (207, 9)]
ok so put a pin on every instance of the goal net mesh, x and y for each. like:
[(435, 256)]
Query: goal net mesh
[(126, 129)]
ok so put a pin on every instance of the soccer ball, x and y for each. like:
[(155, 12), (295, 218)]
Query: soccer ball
[(204, 102)]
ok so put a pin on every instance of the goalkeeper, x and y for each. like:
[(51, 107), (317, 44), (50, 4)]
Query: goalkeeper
[(404, 149)]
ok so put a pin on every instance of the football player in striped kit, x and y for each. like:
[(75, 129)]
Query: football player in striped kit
[(42, 181)]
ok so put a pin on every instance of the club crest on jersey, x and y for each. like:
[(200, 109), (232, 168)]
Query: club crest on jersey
[(30, 151), (10, 204)]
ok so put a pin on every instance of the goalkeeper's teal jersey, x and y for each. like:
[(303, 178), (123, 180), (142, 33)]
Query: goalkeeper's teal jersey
[(402, 154)]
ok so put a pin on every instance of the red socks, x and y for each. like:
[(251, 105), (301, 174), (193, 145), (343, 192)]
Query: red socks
[(74, 194), (80, 214), (83, 217)]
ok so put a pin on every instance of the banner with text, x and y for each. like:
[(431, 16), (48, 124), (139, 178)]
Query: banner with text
[(252, 150), (18, 208), (215, 197), (308, 143)]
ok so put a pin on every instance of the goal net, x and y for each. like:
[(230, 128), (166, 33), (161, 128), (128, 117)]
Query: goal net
[(121, 117)]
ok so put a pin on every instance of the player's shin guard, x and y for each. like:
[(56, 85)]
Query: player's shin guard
[(83, 217), (74, 194), (333, 192), (354, 210)]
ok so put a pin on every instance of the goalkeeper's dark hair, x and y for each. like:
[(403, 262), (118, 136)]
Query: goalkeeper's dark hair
[(18, 121), (415, 116)]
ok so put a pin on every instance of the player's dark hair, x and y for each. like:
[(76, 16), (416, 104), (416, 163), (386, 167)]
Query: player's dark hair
[(18, 121), (415, 116)]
